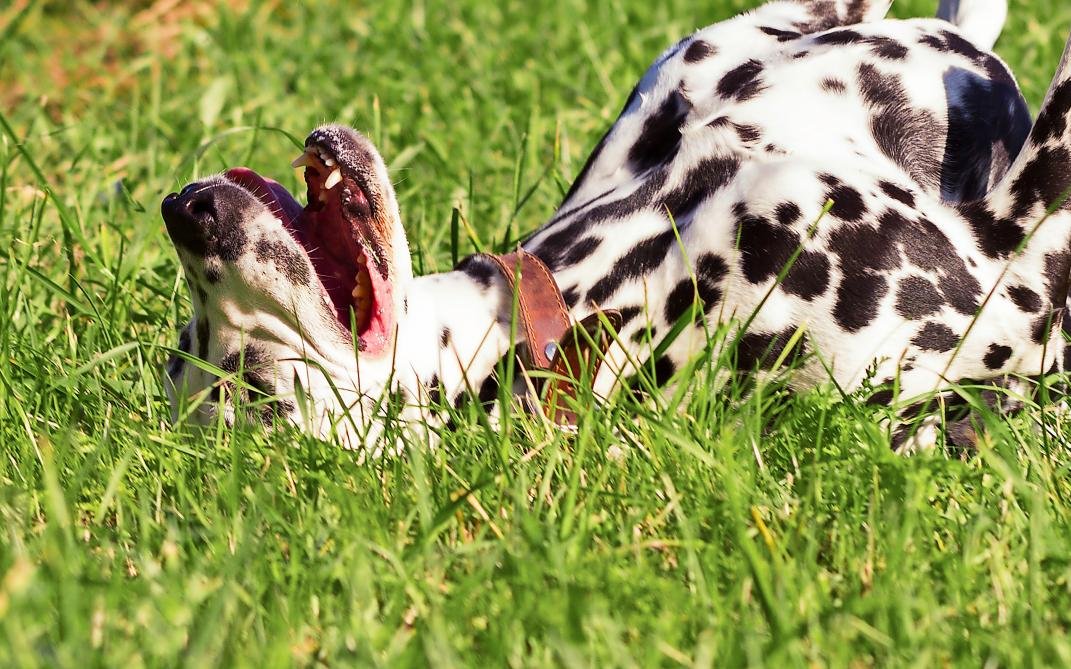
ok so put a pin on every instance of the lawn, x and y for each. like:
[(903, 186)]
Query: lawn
[(690, 530)]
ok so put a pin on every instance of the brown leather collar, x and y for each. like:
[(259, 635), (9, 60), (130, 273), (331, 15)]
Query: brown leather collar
[(568, 355)]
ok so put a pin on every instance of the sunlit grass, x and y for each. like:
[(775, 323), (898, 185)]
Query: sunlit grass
[(694, 529)]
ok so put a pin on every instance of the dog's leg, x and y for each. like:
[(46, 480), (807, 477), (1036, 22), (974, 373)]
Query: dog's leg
[(1026, 218), (981, 21)]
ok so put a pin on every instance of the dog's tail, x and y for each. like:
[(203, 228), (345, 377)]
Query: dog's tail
[(981, 21)]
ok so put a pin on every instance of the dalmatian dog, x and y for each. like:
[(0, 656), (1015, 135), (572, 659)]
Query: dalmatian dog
[(863, 196)]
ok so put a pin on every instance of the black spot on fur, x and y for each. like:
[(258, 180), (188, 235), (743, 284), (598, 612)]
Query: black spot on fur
[(661, 136), (645, 335), (809, 275), (628, 314), (444, 337), (435, 390), (202, 337), (762, 349), (747, 133), (288, 261), (175, 363), (565, 234), (995, 237), (996, 356), (887, 48), (838, 37), (917, 298), (863, 248), (698, 50), (781, 35), (765, 248), (936, 337), (882, 397), (212, 275), (1052, 121), (858, 298), (1057, 266), (1042, 181), (488, 391), (641, 260), (664, 370), (710, 270), (479, 268), (742, 82), (679, 300), (847, 203), (833, 85), (1026, 299), (561, 255), (895, 192), (787, 213), (706, 178), (571, 296)]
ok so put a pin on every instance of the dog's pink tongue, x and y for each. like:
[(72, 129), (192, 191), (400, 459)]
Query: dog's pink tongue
[(268, 191)]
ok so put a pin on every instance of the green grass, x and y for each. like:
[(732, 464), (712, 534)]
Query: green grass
[(776, 531)]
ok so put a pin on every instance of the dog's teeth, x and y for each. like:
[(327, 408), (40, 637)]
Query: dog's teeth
[(300, 161), (330, 162), (333, 179)]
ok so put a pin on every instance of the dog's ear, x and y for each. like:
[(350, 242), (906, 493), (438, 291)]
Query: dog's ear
[(981, 21)]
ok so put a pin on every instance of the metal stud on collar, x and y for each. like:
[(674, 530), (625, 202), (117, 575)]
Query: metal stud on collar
[(550, 350)]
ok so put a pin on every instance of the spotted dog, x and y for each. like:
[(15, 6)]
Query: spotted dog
[(868, 190)]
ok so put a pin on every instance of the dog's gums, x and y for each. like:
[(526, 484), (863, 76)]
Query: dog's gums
[(333, 231)]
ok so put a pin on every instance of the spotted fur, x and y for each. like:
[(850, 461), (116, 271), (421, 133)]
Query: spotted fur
[(806, 168)]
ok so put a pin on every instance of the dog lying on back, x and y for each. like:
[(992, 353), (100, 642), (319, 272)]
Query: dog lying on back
[(861, 191)]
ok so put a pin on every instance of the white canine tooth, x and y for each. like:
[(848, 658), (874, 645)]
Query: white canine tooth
[(333, 179), (330, 162), (300, 161)]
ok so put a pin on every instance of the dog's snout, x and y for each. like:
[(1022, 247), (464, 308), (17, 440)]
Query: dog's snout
[(193, 206), (193, 215)]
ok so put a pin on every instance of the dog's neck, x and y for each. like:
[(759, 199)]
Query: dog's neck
[(454, 330)]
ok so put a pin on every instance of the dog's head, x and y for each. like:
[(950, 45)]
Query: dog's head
[(293, 295)]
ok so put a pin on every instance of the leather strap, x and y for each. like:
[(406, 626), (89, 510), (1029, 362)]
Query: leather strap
[(578, 362), (540, 305), (570, 355)]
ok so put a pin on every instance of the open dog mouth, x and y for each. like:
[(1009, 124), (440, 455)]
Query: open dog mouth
[(334, 229)]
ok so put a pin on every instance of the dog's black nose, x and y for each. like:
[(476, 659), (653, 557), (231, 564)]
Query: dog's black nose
[(206, 218), (192, 216), (194, 206)]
